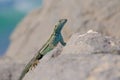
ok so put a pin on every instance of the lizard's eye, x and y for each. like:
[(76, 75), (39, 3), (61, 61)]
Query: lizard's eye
[(55, 26), (59, 21)]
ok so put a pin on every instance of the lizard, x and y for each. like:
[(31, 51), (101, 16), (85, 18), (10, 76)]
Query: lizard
[(51, 43)]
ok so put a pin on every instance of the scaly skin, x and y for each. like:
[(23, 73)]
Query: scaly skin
[(52, 42)]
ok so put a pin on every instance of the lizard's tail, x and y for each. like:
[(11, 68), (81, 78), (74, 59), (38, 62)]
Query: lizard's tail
[(31, 64), (25, 70), (23, 74)]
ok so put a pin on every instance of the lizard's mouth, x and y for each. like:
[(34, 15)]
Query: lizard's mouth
[(63, 21)]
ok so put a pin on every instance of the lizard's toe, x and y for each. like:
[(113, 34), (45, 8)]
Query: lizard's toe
[(34, 64)]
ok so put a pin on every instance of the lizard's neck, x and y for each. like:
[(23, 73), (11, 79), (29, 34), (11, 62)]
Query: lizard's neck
[(56, 33), (58, 30)]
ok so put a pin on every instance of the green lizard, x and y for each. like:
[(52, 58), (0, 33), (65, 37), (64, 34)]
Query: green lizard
[(55, 38)]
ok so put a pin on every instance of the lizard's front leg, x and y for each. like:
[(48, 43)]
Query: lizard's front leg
[(62, 41)]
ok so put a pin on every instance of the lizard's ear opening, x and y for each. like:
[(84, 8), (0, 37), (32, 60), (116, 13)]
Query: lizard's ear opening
[(59, 21), (55, 27)]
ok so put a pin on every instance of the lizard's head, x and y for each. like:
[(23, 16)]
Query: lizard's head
[(59, 25)]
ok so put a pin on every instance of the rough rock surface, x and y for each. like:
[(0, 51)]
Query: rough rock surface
[(100, 15), (9, 69), (92, 42), (81, 63), (90, 56)]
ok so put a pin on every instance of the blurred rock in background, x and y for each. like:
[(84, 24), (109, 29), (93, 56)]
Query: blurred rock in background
[(11, 13)]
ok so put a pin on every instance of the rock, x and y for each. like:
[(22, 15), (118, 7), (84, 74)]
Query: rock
[(10, 70), (91, 42), (81, 63), (90, 56), (78, 59), (78, 67)]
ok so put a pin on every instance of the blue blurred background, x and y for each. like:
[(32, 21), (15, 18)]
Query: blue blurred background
[(11, 13)]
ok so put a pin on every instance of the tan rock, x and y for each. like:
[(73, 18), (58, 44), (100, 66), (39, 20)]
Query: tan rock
[(100, 15), (81, 64)]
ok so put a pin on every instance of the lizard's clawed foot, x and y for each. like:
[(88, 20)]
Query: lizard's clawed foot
[(34, 64)]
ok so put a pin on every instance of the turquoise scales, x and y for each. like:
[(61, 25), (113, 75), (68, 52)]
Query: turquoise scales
[(52, 42)]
